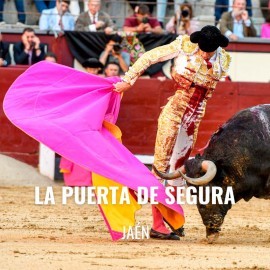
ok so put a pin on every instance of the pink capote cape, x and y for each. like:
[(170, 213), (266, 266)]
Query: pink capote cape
[(64, 109)]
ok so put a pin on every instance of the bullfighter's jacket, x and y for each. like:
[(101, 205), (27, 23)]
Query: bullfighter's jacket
[(179, 120)]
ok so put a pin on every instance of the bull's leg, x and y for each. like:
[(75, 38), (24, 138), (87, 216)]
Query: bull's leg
[(267, 188)]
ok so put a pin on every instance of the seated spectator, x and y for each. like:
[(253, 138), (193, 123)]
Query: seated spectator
[(20, 9), (113, 53), (5, 59), (95, 19), (142, 22), (93, 66), (50, 57), (29, 51), (265, 7), (183, 22), (236, 23), (41, 5), (265, 30), (222, 6), (57, 18), (112, 69), (151, 3)]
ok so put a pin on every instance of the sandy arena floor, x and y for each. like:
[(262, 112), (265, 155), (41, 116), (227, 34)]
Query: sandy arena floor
[(75, 237)]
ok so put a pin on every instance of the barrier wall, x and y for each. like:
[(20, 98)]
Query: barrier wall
[(14, 142), (141, 105), (139, 112)]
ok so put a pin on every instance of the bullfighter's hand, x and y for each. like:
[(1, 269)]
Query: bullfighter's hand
[(121, 87)]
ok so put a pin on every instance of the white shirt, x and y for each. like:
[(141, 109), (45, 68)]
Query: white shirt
[(49, 20)]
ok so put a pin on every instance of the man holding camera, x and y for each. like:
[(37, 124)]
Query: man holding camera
[(142, 22), (113, 53), (237, 23), (29, 51)]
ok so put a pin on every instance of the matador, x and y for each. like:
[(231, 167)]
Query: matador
[(199, 63)]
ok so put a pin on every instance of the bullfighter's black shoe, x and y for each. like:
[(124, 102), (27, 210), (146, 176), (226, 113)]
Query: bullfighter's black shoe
[(180, 231), (163, 236)]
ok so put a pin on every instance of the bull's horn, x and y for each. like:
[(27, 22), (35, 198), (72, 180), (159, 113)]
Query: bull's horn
[(207, 166), (172, 175)]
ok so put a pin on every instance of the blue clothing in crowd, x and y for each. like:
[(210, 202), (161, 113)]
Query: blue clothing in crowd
[(50, 20), (20, 9)]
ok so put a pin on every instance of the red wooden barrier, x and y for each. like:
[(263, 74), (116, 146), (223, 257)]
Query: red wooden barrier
[(13, 141), (139, 113), (141, 107)]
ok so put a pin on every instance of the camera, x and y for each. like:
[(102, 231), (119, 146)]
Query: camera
[(145, 20), (117, 48), (185, 13)]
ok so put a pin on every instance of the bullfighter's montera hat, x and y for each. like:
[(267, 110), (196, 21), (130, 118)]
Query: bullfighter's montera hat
[(209, 38)]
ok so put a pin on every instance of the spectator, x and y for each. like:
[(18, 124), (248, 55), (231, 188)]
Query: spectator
[(29, 51), (236, 23), (41, 5), (265, 7), (57, 18), (113, 53), (183, 22), (51, 57), (265, 31), (151, 3), (93, 66), (142, 22), (94, 19), (222, 6), (5, 59), (162, 7), (112, 69), (20, 9)]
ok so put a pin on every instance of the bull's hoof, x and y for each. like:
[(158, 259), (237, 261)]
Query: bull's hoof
[(212, 235), (212, 238)]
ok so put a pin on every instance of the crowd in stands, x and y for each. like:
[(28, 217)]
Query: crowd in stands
[(233, 17)]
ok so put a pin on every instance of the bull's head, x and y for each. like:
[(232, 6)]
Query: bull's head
[(199, 172)]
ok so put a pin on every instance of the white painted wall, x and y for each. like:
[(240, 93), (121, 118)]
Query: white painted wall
[(250, 67), (46, 161)]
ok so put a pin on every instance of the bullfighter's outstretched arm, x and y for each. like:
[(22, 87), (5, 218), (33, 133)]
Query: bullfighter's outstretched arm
[(151, 57)]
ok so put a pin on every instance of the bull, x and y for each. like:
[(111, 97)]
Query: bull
[(238, 155)]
